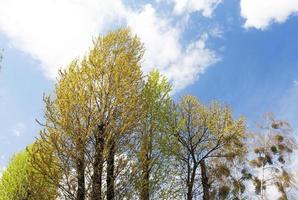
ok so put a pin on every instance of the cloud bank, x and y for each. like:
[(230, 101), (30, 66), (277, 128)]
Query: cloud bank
[(164, 51), (260, 14), (55, 32)]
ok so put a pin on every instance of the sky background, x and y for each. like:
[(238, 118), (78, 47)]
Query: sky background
[(240, 52)]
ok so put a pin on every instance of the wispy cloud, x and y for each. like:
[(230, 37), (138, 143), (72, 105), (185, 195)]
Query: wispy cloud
[(2, 169), (261, 13), (217, 32), (55, 32), (189, 6), (18, 129)]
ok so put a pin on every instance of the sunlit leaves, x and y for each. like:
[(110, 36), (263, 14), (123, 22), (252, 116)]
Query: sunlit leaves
[(21, 181)]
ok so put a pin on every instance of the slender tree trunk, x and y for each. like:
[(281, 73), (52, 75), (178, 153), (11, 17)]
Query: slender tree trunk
[(81, 177), (145, 161), (189, 191), (145, 187), (191, 180), (110, 172), (205, 182), (98, 165)]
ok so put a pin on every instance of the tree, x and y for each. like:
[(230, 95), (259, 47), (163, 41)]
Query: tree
[(66, 133), (115, 61), (272, 148), (156, 103), (96, 101), (17, 182), (227, 177), (201, 133)]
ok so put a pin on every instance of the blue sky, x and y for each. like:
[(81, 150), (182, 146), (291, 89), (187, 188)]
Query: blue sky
[(237, 51)]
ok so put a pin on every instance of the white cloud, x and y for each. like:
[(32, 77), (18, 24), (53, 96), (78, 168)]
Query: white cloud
[(190, 64), (188, 6), (295, 83), (217, 32), (160, 38), (261, 13), (18, 129), (54, 32), (165, 52), (2, 169)]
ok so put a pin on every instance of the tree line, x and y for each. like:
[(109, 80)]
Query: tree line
[(111, 132)]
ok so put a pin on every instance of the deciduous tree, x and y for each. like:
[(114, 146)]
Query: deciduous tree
[(203, 133), (115, 62), (272, 148), (155, 107), (95, 102), (17, 181)]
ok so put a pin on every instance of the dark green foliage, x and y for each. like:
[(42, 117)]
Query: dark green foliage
[(246, 175), (222, 171), (281, 159), (239, 186), (274, 149), (268, 159), (258, 185), (279, 138), (223, 192)]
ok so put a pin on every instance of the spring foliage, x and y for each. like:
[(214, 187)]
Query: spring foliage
[(110, 132), (17, 181)]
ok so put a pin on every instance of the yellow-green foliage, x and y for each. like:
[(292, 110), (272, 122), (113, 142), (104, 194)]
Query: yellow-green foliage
[(14, 179), (17, 182), (102, 89), (155, 106), (209, 127)]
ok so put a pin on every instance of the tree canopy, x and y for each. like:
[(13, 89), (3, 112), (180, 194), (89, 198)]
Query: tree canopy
[(20, 180), (111, 132)]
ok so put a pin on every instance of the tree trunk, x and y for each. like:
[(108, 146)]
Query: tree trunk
[(81, 178), (98, 165), (205, 182), (145, 161), (110, 172), (145, 185), (191, 180)]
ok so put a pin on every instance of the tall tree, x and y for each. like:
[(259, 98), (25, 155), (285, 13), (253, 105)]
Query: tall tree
[(156, 104), (70, 120), (96, 101), (201, 133), (115, 61), (272, 148)]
